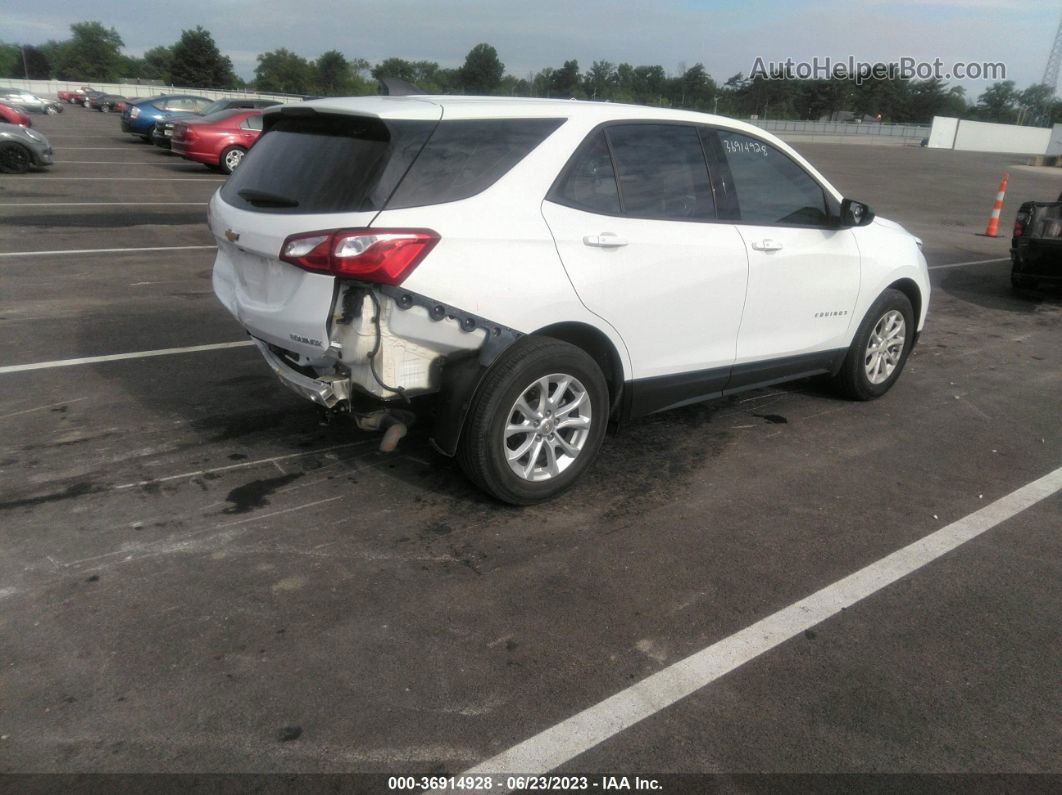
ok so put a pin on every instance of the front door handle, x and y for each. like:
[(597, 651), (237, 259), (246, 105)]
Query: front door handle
[(766, 245), (605, 240)]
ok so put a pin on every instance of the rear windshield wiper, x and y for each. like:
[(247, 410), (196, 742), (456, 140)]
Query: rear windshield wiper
[(261, 197)]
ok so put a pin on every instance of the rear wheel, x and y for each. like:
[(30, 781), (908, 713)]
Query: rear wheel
[(880, 348), (14, 158), (536, 423), (231, 158), (1019, 282)]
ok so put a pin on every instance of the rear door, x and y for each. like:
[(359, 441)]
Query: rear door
[(306, 173), (804, 272), (634, 220)]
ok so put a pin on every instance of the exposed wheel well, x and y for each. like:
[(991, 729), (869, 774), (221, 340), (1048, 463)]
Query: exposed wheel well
[(914, 295), (599, 347)]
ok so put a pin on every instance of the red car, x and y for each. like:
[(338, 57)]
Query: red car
[(14, 116), (219, 140), (73, 97)]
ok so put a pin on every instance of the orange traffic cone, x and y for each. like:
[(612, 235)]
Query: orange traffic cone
[(993, 222)]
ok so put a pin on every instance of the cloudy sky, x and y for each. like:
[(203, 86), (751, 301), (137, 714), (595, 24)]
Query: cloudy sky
[(725, 36)]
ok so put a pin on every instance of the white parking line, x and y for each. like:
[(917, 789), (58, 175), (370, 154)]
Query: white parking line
[(99, 250), (563, 742), (244, 464), (36, 178), (114, 357), (104, 204), (972, 262), (114, 162)]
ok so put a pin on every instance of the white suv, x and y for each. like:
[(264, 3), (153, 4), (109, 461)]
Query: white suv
[(546, 268)]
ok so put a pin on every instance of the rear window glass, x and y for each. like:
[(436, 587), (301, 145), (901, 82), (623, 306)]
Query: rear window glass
[(325, 164), (465, 157), (219, 115)]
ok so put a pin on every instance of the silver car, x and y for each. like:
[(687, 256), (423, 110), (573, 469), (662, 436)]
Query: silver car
[(30, 102), (22, 149)]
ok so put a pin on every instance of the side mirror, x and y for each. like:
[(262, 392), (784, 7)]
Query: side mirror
[(855, 213)]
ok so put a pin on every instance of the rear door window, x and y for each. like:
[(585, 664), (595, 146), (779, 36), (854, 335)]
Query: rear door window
[(465, 157), (764, 186), (589, 182), (662, 172), (325, 163), (252, 123)]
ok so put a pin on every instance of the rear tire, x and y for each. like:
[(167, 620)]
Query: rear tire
[(879, 350), (231, 158), (1022, 282), (565, 411), (14, 158)]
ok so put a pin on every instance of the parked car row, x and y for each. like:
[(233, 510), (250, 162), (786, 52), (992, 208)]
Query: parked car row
[(24, 100)]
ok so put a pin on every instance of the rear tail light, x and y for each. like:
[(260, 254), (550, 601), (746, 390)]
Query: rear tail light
[(386, 256), (1019, 229)]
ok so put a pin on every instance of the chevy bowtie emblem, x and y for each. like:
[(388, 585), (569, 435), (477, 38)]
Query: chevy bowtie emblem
[(232, 236)]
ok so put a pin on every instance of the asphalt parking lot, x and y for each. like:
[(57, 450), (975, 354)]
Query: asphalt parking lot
[(196, 575)]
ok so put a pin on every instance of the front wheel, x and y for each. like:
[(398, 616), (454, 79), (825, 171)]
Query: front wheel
[(14, 158), (231, 158), (105, 108), (880, 348), (537, 422)]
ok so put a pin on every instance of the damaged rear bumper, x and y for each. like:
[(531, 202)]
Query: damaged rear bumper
[(328, 390)]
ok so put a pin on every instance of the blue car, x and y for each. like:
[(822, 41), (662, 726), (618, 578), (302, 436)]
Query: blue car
[(139, 116)]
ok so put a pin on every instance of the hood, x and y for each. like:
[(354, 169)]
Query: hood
[(892, 226)]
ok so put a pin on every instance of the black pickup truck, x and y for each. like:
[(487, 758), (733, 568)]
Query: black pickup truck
[(1036, 246)]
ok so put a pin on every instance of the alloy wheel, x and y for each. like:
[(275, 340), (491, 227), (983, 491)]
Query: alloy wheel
[(885, 347), (233, 158), (547, 427)]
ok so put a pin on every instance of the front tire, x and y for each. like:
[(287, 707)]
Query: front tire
[(231, 158), (880, 348), (14, 158), (536, 423)]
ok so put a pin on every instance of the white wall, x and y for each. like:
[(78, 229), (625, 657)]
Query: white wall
[(1055, 145), (942, 133), (981, 136), (49, 88)]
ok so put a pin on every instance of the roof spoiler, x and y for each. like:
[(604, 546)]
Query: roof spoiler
[(393, 87)]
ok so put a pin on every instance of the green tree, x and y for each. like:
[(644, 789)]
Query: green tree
[(599, 81), (197, 62), (10, 60), (482, 71), (336, 76), (156, 63), (997, 102), (91, 53), (398, 68), (564, 82), (1035, 104), (284, 72)]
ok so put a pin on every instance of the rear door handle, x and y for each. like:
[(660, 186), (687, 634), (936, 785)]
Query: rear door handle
[(766, 245), (605, 240)]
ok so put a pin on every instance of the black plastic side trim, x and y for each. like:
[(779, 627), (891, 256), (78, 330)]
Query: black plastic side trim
[(652, 395)]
